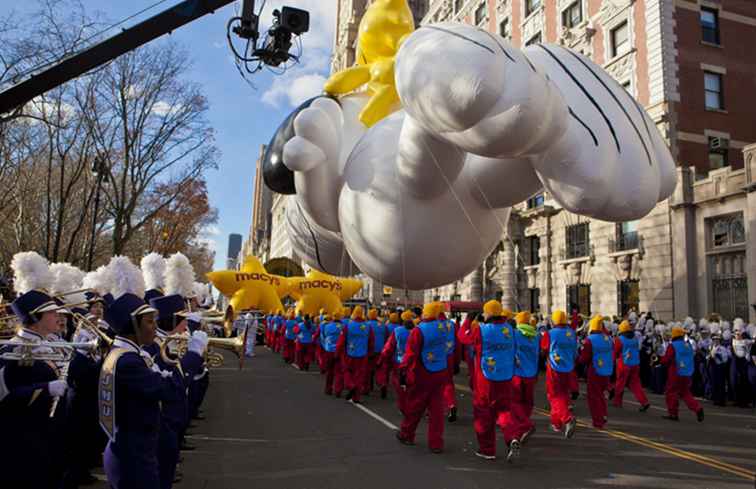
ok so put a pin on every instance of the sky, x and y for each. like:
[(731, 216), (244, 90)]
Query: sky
[(243, 117)]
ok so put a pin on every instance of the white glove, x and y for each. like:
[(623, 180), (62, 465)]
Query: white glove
[(198, 343), (164, 373), (57, 388)]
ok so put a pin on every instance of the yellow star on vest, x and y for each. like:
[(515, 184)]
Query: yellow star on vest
[(318, 290), (505, 331), (363, 327), (449, 345), (682, 364), (252, 287), (491, 362), (568, 334), (430, 356), (557, 358), (600, 362)]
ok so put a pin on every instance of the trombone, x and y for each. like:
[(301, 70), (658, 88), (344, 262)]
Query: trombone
[(213, 359)]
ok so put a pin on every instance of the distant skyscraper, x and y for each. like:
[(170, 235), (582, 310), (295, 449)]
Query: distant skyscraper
[(234, 247)]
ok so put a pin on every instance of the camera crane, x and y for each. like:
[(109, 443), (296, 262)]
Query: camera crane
[(274, 51)]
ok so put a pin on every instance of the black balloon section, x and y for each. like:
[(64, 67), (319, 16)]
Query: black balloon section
[(276, 175)]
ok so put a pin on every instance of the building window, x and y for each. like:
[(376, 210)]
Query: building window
[(579, 298), (620, 40), (573, 15), (718, 150), (729, 284), (628, 296), (504, 29), (458, 5), (727, 231), (534, 250), (627, 236), (531, 6), (713, 91), (535, 299), (710, 25), (534, 40), (577, 241), (480, 13), (535, 201)]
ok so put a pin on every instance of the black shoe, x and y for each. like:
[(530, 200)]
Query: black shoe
[(356, 401), (437, 450), (569, 428), (349, 395), (643, 409), (527, 435), (700, 415), (403, 440), (199, 417), (514, 451), (452, 415), (575, 395), (671, 417), (338, 395), (384, 392), (611, 394)]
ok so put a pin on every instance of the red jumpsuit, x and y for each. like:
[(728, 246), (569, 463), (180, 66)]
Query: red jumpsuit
[(597, 386), (558, 388), (355, 370), (388, 368), (677, 386), (425, 392), (280, 333), (627, 376), (491, 401)]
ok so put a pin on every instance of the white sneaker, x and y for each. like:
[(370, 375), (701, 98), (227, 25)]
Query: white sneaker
[(569, 428), (484, 456), (514, 451)]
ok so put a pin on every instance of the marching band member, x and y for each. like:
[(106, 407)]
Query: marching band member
[(561, 344), (423, 373), (627, 354), (305, 348), (527, 354), (354, 346), (131, 386), (597, 353), (171, 312), (393, 355), (679, 360), (741, 347), (31, 447)]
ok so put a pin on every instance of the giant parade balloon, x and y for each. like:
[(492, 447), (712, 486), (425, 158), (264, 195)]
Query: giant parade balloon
[(318, 290), (251, 287), (418, 191)]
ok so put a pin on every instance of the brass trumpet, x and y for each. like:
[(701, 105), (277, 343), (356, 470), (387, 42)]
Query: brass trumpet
[(213, 359)]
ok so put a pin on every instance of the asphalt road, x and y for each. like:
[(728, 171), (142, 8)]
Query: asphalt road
[(270, 426)]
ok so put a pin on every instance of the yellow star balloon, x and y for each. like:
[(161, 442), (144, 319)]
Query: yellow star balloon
[(252, 287), (318, 290), (383, 28)]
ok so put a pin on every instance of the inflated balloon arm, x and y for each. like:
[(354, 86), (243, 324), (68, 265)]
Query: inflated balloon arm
[(347, 80)]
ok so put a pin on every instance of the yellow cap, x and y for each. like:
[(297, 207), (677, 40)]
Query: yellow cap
[(430, 310), (347, 312), (372, 314), (338, 316), (322, 311), (677, 332), (394, 318), (408, 315), (559, 318), (506, 312), (625, 327), (327, 317), (358, 313), (596, 323), (416, 321), (522, 317), (492, 308)]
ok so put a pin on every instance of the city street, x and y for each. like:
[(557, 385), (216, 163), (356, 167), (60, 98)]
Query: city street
[(270, 426)]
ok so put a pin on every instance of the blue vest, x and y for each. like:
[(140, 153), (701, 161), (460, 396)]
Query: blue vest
[(390, 327), (562, 349), (497, 351), (358, 334), (450, 337), (379, 335), (526, 355), (305, 333), (290, 323), (630, 351), (400, 334), (434, 345), (329, 335), (683, 357), (601, 347)]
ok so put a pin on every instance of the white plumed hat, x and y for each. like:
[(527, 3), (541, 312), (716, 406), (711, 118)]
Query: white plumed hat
[(127, 278), (31, 271), (153, 270), (179, 276)]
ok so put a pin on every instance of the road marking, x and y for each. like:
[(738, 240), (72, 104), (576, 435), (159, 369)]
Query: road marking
[(709, 412), (376, 416), (219, 438), (662, 447)]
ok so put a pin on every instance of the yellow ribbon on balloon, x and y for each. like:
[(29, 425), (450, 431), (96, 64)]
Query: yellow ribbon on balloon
[(383, 28), (318, 290), (252, 287)]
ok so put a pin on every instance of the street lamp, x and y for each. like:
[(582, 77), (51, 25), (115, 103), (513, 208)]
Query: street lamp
[(98, 170)]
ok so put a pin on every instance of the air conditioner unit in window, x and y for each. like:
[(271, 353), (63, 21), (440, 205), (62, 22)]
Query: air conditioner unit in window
[(719, 143)]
